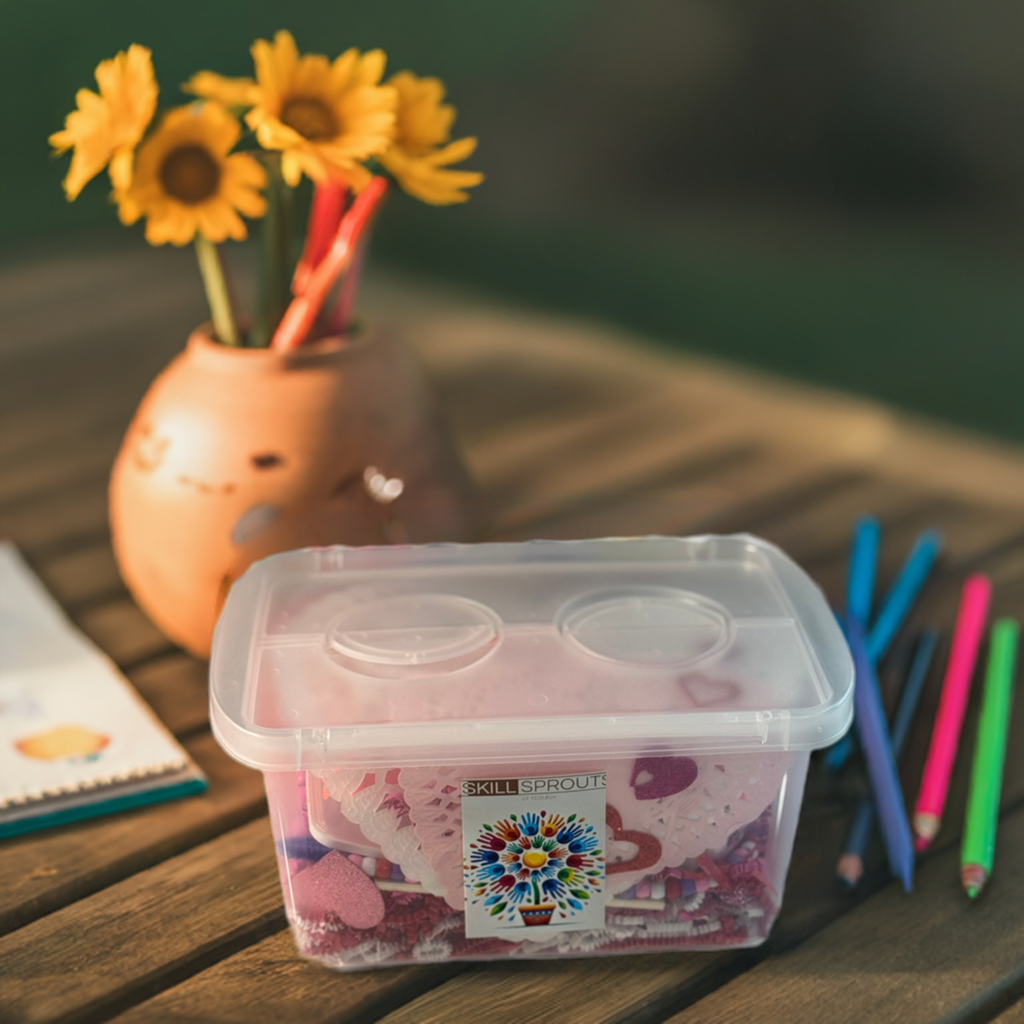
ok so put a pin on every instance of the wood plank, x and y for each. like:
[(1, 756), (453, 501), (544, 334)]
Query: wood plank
[(123, 631), (930, 955), (81, 458), (176, 687), (41, 872), (133, 939), (67, 521), (43, 428), (271, 981), (1014, 1015), (620, 989), (83, 576), (693, 491), (608, 448)]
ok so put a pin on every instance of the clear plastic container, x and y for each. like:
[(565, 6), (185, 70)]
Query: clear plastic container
[(530, 750)]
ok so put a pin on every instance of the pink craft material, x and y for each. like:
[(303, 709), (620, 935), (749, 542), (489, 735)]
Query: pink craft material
[(967, 634), (335, 884), (690, 804), (418, 926)]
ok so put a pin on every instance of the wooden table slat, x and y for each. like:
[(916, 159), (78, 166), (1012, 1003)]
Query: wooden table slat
[(146, 932), (269, 981)]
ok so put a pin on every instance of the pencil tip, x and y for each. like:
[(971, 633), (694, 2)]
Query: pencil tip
[(973, 877), (849, 869), (921, 843)]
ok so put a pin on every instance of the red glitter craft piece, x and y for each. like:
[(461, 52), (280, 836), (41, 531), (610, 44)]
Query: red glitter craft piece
[(648, 847), (666, 776)]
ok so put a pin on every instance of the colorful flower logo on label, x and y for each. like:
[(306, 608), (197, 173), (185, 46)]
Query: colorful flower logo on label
[(535, 867)]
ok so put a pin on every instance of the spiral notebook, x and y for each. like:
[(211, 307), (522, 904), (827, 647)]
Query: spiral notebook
[(76, 739)]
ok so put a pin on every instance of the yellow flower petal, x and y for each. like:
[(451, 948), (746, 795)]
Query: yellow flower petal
[(111, 123), (423, 120), (425, 177), (452, 153), (232, 92), (370, 69), (275, 65)]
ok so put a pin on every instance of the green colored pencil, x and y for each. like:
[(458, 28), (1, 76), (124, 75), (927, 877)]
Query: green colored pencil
[(987, 775)]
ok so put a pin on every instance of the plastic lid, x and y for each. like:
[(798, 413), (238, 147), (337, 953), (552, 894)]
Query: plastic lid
[(501, 653)]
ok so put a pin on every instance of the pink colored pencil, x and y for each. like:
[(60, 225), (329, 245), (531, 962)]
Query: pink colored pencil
[(970, 625)]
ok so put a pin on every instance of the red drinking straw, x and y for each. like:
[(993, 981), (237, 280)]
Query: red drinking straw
[(324, 219), (970, 624), (340, 314), (301, 314)]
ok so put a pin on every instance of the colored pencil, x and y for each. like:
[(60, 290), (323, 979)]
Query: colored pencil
[(956, 685), (860, 580), (895, 608), (902, 594), (851, 864), (869, 716), (860, 587), (979, 845)]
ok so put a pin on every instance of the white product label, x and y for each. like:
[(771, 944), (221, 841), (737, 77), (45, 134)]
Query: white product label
[(533, 855)]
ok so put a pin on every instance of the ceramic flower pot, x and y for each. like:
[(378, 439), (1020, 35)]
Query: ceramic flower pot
[(236, 454)]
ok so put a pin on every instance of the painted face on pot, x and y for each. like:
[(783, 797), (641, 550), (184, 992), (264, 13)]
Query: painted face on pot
[(180, 458)]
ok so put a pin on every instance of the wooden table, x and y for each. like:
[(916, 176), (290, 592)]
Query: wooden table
[(174, 913)]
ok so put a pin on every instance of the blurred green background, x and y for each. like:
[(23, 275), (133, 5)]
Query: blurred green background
[(829, 189)]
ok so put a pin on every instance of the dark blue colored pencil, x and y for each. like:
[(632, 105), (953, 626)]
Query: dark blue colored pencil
[(869, 717), (851, 864)]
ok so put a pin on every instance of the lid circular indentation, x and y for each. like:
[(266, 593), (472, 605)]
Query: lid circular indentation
[(653, 626), (413, 634)]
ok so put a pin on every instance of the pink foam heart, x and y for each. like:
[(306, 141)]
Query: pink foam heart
[(335, 884)]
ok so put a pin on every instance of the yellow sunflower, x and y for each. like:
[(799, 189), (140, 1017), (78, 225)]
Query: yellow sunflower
[(419, 158), (185, 180), (106, 127), (325, 117)]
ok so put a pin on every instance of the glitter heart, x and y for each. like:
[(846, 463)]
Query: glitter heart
[(335, 884), (666, 776), (648, 848)]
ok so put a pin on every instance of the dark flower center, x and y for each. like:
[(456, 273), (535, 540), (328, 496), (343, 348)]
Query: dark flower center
[(190, 175), (311, 118)]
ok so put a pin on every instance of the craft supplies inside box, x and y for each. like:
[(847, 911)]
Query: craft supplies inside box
[(530, 750)]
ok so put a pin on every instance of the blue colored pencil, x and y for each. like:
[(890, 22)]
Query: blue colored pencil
[(902, 594), (860, 580), (851, 864), (895, 608), (869, 716)]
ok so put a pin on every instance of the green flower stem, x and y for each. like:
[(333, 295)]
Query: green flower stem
[(217, 292), (275, 258)]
